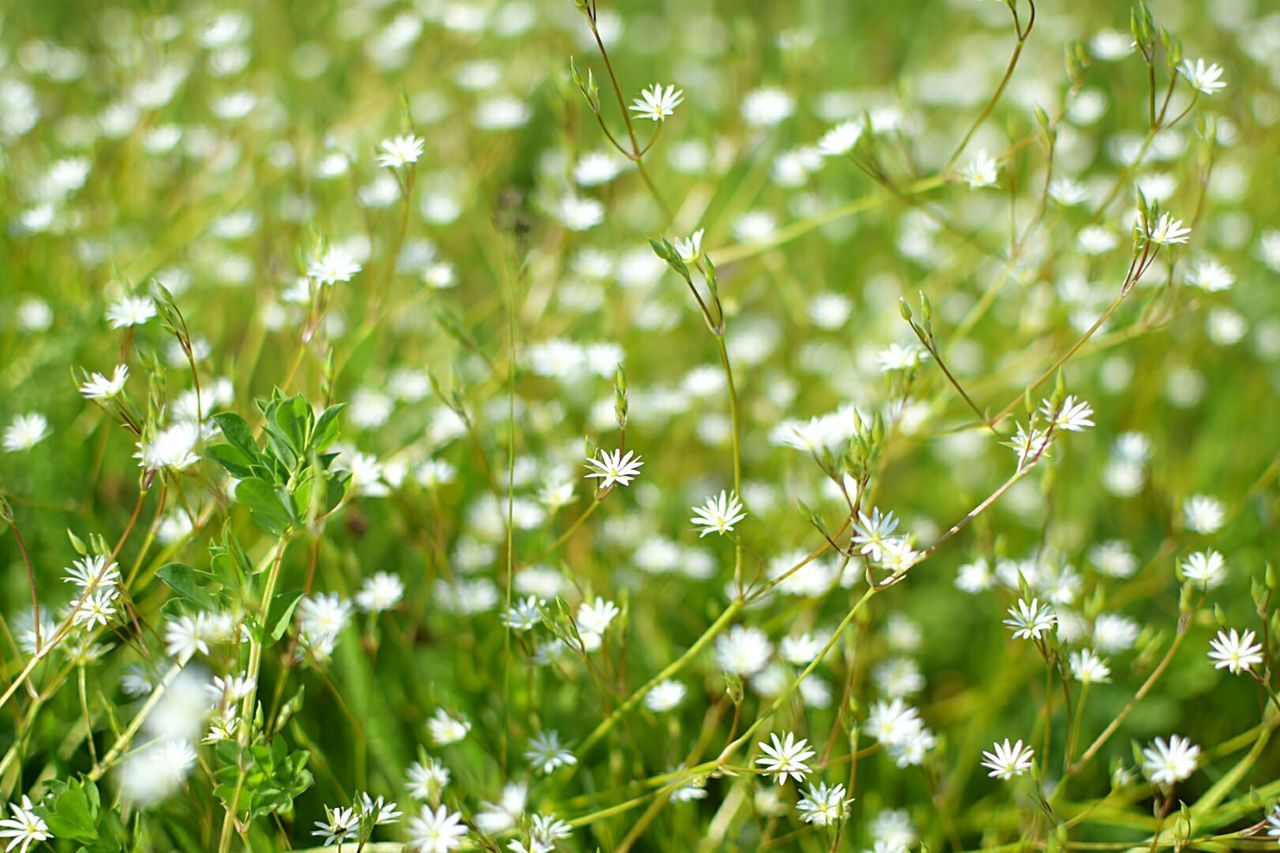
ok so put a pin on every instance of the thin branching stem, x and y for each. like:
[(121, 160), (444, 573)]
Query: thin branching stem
[(990, 105)]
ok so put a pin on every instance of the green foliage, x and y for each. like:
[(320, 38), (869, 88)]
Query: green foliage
[(188, 584), (384, 275), (75, 814), (263, 778), (287, 483)]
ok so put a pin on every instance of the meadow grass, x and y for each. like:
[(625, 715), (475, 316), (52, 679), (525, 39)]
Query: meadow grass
[(560, 424)]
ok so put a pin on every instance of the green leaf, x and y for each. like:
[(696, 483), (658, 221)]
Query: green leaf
[(326, 429), (281, 614), (236, 431), (77, 543), (228, 557), (71, 813), (264, 505), (280, 445), (236, 461), (371, 705), (182, 579), (294, 417), (337, 490)]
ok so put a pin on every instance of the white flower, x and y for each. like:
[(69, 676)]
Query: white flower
[(893, 722), (230, 687), (333, 266), (555, 495), (380, 592), (24, 826), (577, 213), (321, 619), (427, 780), (811, 435), (840, 139), (1211, 276), (892, 832), (911, 750), (96, 609), (1089, 668), (898, 357), (524, 615), (436, 831), (1029, 444), (1096, 240), (1114, 633), (1167, 763), (183, 637), (767, 107), (1167, 231), (824, 806), (1114, 559), (981, 171), (494, 818), (400, 151), (1205, 569), (613, 468), (975, 576), (100, 387), (1273, 820), (1203, 77), (800, 650), (25, 432), (1234, 651), (744, 650), (1072, 415), (548, 829), (1030, 621), (445, 730), (693, 791), (595, 168), (718, 514), (173, 447), (595, 617), (376, 808), (546, 753), (656, 102), (156, 771), (897, 555), (689, 248), (785, 758), (1067, 191), (898, 677), (342, 825), (91, 573), (435, 472), (1008, 761), (664, 696), (130, 311), (222, 728), (1204, 514), (872, 533), (1110, 45)]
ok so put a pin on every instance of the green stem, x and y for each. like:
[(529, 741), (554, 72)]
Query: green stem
[(126, 737), (668, 671), (791, 688), (250, 700), (1076, 721), (1115, 724), (564, 537), (799, 228), (1136, 270), (1004, 82), (735, 442)]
